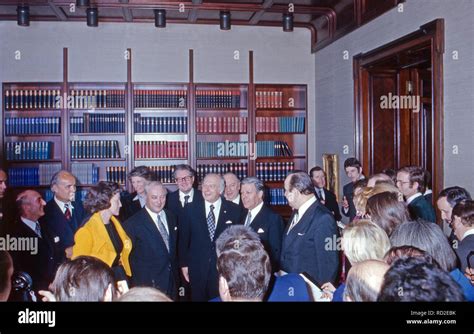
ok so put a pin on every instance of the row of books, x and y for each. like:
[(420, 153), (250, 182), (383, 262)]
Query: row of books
[(34, 150), (152, 149), (163, 173), (280, 124), (86, 173), (95, 149), (159, 98), (92, 98), (98, 123), (221, 124), (31, 99), (218, 99), (161, 124), (221, 149), (273, 148), (273, 171), (240, 169), (32, 125), (277, 197), (32, 176), (116, 174), (269, 99)]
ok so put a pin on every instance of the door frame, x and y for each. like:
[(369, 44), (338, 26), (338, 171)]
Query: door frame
[(433, 33)]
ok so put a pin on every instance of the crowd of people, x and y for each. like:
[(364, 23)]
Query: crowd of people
[(221, 241)]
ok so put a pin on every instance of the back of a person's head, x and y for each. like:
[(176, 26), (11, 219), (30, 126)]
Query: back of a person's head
[(6, 271), (387, 211), (364, 240), (365, 280), (144, 294), (412, 279), (428, 237), (243, 262), (398, 252), (464, 210), (83, 279)]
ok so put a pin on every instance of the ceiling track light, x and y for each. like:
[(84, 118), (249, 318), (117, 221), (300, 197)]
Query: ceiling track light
[(288, 22), (92, 17), (82, 3), (225, 20), (23, 16), (160, 18)]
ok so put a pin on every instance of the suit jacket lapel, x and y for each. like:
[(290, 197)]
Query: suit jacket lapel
[(301, 227), (221, 221), (172, 233), (155, 234)]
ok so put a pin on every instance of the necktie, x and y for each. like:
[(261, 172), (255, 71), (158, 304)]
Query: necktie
[(319, 193), (211, 222), (249, 219), (294, 221), (67, 213), (163, 232), (38, 230), (186, 199)]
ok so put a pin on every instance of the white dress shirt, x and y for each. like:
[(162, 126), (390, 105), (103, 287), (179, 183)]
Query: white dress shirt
[(217, 208), (162, 215), (182, 195), (62, 206), (254, 212), (413, 197)]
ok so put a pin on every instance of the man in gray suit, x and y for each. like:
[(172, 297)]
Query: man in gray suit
[(309, 241)]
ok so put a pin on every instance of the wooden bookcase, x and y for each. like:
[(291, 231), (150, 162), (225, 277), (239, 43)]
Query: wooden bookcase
[(100, 130)]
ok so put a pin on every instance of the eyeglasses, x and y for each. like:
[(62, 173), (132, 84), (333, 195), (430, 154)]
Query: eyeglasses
[(183, 179), (402, 182)]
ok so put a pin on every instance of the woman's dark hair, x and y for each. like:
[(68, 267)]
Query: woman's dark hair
[(84, 279), (396, 253), (387, 211), (98, 198), (5, 264)]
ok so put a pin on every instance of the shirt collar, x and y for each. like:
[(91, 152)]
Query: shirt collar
[(61, 204), (305, 206), (236, 200), (31, 224), (142, 200), (154, 214), (181, 196), (413, 197), (254, 212), (217, 206), (468, 232)]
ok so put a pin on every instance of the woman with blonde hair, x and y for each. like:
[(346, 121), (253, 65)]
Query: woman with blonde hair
[(362, 240)]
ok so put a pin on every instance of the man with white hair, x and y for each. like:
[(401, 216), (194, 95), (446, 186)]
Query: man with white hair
[(203, 223)]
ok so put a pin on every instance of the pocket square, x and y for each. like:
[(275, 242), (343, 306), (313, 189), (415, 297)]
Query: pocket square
[(300, 234), (175, 228), (260, 230), (228, 222), (56, 239)]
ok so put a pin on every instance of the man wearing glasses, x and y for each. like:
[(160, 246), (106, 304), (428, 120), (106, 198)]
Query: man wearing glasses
[(178, 200)]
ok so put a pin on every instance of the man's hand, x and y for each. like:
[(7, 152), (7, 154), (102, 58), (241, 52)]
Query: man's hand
[(47, 296), (185, 272)]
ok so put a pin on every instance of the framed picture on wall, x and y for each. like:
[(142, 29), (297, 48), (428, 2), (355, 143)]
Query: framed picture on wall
[(331, 167)]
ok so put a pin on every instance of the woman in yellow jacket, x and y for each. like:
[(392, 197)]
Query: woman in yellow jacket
[(102, 236)]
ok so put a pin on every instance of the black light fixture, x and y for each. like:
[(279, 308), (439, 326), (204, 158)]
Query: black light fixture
[(82, 3), (225, 20), (288, 22), (23, 16), (160, 18), (92, 17)]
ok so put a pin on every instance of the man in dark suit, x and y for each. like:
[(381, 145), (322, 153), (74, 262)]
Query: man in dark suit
[(63, 215), (309, 242), (153, 232), (353, 170), (262, 219), (232, 189), (38, 260), (139, 177), (411, 183), (204, 222), (463, 226), (324, 196), (447, 200), (177, 201)]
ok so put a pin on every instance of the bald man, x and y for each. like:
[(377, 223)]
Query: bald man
[(63, 215), (364, 281), (37, 259)]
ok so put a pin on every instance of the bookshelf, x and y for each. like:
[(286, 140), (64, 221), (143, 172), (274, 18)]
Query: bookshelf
[(280, 137), (96, 134), (160, 127), (101, 130)]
